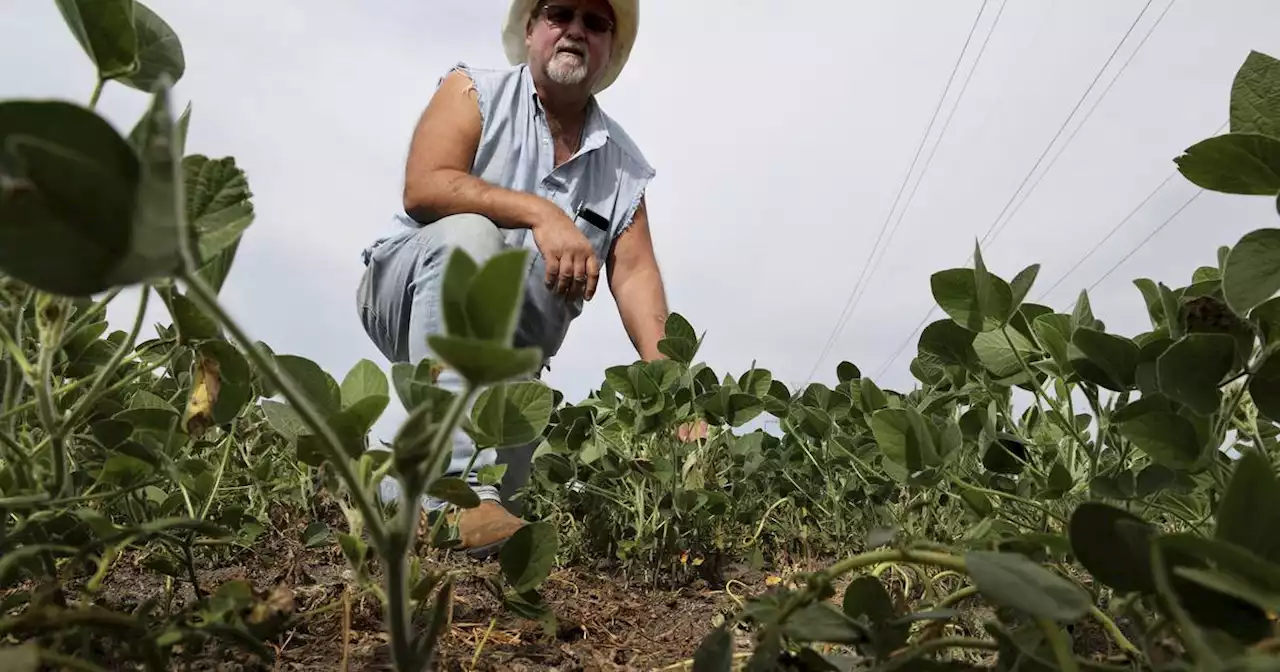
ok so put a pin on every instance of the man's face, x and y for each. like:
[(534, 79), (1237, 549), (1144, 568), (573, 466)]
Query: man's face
[(570, 40)]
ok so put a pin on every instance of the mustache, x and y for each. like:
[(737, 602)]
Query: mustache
[(574, 46)]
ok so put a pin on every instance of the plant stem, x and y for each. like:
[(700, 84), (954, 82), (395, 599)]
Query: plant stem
[(1058, 641), (44, 395), (896, 555), (1066, 426), (207, 300), (1117, 636), (929, 646), (1016, 498), (100, 382), (97, 93)]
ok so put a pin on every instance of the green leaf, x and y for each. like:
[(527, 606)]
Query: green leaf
[(904, 438), (193, 324), (1252, 273), (491, 474), (1110, 361), (996, 355), (67, 204), (154, 247), (1171, 303), (455, 491), (1005, 454), (528, 557), (1114, 545), (511, 414), (485, 362), (822, 622), (1151, 298), (459, 271), (105, 29), (495, 294), (845, 372), (1153, 479), (866, 596), (1255, 96), (1249, 515), (26, 658), (364, 379), (316, 534), (1053, 331), (714, 654), (218, 212), (1191, 370), (319, 387), (158, 48), (284, 419), (357, 419), (1013, 580), (949, 342), (1165, 436), (1235, 163), (1264, 388), (1021, 284), (957, 294), (1082, 316)]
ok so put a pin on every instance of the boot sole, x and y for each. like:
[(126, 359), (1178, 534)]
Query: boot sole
[(486, 552)]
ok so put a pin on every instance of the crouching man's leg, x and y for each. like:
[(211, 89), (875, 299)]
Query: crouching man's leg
[(400, 307)]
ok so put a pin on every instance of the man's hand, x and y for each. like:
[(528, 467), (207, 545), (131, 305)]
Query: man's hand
[(692, 431), (572, 267)]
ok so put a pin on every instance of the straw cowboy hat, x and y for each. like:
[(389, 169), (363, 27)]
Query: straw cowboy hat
[(626, 23)]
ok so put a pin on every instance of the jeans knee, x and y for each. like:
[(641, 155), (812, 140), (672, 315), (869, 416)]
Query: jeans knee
[(477, 235)]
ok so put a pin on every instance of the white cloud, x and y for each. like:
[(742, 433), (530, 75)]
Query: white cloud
[(781, 132)]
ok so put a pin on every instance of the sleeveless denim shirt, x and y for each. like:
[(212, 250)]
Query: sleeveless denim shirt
[(607, 176)]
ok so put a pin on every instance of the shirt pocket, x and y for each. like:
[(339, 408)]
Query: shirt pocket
[(596, 228)]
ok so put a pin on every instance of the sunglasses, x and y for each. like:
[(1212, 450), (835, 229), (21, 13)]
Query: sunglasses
[(561, 16)]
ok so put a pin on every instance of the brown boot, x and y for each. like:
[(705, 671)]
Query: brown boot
[(485, 528)]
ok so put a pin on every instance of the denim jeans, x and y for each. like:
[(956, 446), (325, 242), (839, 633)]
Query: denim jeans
[(399, 305)]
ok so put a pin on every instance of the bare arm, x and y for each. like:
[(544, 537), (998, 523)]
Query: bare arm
[(636, 284), (438, 180), (438, 183)]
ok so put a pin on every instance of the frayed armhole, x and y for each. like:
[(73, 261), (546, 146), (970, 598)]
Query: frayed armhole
[(481, 102)]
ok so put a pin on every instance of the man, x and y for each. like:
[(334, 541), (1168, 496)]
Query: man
[(523, 157)]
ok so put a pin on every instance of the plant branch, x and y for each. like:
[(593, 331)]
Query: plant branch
[(1058, 641), (1066, 426), (1004, 495), (100, 382)]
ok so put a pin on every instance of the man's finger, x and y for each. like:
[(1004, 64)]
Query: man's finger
[(593, 276), (553, 269), (566, 274)]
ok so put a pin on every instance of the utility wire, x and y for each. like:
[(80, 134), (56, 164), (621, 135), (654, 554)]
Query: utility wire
[(1146, 240), (1096, 103), (988, 237), (861, 287), (1115, 229), (826, 348)]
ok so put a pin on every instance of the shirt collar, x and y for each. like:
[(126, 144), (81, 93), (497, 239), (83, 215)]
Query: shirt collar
[(595, 133)]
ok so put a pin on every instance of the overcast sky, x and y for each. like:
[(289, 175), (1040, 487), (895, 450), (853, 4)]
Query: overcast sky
[(781, 133)]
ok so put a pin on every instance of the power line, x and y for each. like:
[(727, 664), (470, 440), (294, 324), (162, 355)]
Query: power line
[(826, 348), (1096, 103), (988, 237), (1146, 240), (1097, 246), (875, 265)]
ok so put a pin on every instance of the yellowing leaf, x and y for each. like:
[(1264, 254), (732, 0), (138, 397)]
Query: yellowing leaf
[(204, 396)]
